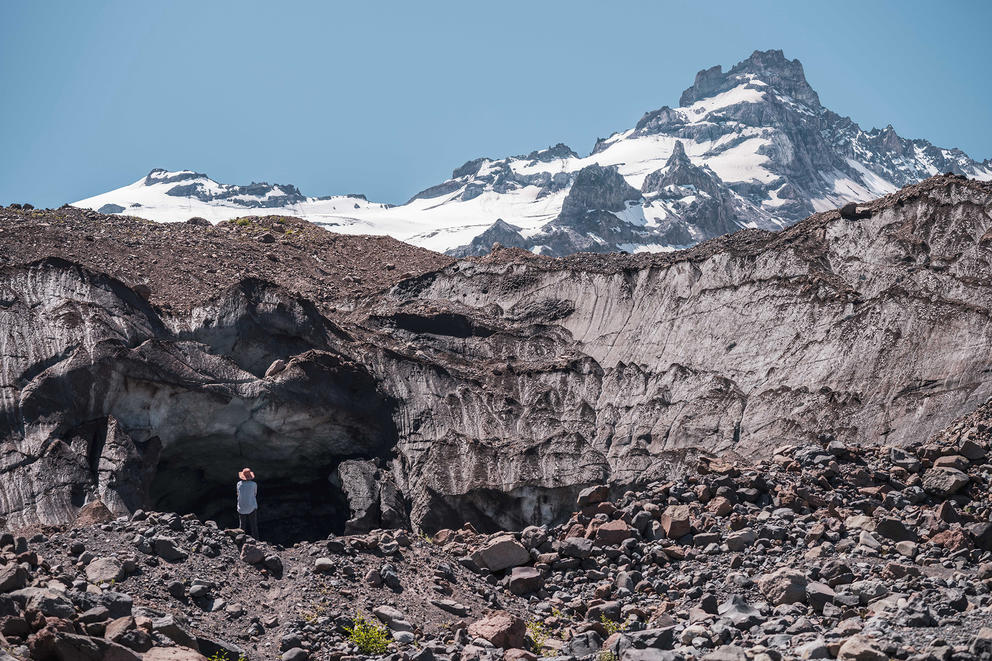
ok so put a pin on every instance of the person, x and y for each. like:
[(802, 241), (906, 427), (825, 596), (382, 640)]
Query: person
[(247, 502)]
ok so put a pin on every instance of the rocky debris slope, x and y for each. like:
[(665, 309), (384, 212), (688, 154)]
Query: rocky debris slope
[(180, 265), (823, 551), (164, 587), (487, 390)]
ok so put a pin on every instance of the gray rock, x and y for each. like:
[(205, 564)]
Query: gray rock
[(944, 482), (104, 570), (818, 595), (392, 618), (12, 577), (576, 547), (583, 644), (739, 612), (741, 539), (176, 631), (167, 549), (894, 529)]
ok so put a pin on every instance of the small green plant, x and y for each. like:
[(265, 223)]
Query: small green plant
[(612, 626), (608, 655), (243, 222), (221, 655), (538, 632), (370, 638)]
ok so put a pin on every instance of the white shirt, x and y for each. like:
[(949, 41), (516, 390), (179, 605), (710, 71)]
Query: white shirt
[(246, 496)]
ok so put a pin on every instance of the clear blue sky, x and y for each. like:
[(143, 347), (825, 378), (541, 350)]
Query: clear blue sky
[(386, 98)]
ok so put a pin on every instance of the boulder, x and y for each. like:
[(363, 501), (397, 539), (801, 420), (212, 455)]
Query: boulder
[(860, 648), (93, 513), (533, 537), (252, 554), (783, 586), (742, 614), (818, 595), (12, 577), (501, 552), (575, 547), (104, 570), (392, 618), (593, 495), (502, 629), (675, 521), (524, 580), (613, 533), (583, 645), (741, 539), (894, 529), (176, 631), (720, 506), (49, 644), (944, 482), (981, 645), (167, 549)]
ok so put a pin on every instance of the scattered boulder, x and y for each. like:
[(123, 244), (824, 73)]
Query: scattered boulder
[(675, 521), (860, 648), (783, 586), (168, 549), (104, 570), (501, 552), (592, 495), (502, 629), (944, 482), (525, 580)]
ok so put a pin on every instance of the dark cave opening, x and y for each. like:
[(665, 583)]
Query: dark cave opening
[(296, 500)]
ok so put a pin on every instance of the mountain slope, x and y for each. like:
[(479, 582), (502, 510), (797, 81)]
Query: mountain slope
[(748, 148)]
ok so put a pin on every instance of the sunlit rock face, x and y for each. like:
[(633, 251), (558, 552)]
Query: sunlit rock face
[(494, 389)]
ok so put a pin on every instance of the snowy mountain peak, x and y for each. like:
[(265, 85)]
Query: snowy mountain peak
[(748, 147)]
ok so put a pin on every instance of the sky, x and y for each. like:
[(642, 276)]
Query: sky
[(387, 98)]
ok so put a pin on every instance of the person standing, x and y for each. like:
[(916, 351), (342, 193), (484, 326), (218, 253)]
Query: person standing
[(248, 502)]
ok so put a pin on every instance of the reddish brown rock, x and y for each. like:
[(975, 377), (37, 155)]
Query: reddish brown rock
[(952, 540), (613, 533), (675, 521), (720, 506), (93, 513), (501, 629)]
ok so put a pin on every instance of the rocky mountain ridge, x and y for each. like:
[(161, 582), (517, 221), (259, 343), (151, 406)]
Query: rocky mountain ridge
[(751, 147)]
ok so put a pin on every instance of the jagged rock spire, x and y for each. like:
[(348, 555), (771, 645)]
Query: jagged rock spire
[(678, 157)]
